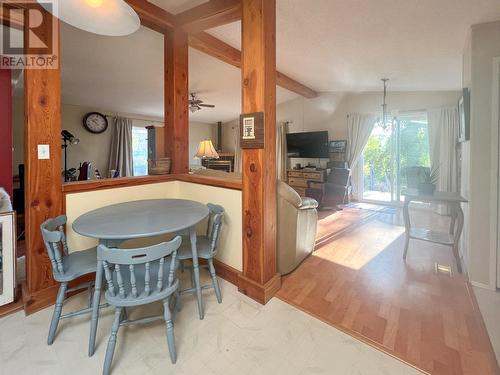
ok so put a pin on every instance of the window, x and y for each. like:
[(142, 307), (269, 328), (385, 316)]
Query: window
[(393, 148), (140, 150)]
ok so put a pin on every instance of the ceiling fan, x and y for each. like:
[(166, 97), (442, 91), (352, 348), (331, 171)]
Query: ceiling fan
[(196, 104)]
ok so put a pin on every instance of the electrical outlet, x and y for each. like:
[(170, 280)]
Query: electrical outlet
[(43, 152)]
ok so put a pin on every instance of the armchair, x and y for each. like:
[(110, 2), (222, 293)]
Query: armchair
[(334, 191), (297, 221)]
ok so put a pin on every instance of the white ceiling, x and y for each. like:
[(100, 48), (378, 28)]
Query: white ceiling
[(329, 45), (348, 45), (125, 75)]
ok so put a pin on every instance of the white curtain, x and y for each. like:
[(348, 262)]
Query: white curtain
[(120, 153), (359, 128), (237, 148), (443, 138), (281, 151)]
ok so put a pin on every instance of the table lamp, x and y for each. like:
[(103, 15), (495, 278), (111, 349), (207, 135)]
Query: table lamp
[(206, 150)]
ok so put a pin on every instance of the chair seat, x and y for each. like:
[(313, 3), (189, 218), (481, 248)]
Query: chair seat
[(202, 247), (142, 298), (77, 264)]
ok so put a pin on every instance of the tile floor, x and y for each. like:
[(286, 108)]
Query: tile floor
[(237, 337)]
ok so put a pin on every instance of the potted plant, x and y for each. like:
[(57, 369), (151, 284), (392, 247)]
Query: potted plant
[(429, 180)]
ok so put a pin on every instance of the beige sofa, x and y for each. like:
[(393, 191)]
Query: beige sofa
[(297, 221)]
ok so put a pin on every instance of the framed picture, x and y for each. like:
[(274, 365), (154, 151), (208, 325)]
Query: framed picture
[(252, 130), (464, 116), (7, 257), (338, 146)]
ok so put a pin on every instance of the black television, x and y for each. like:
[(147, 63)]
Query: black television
[(307, 145)]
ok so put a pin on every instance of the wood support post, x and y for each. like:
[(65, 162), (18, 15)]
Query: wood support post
[(259, 279), (176, 99), (43, 195)]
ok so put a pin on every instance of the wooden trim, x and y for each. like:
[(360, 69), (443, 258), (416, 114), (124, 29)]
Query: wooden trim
[(43, 193), (259, 279), (234, 184), (13, 20), (261, 293), (214, 47), (208, 15), (290, 84), (153, 16), (13, 307), (176, 100), (228, 273), (112, 183)]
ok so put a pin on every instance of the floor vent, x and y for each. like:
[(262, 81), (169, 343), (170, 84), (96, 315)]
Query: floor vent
[(442, 269)]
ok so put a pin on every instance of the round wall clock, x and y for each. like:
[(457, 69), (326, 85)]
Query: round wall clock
[(95, 122)]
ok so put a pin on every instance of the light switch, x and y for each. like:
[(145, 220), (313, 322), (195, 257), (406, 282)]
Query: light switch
[(43, 152)]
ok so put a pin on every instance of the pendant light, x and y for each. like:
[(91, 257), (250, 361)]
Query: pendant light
[(102, 17)]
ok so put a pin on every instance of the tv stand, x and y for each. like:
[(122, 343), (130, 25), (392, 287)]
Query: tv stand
[(300, 180)]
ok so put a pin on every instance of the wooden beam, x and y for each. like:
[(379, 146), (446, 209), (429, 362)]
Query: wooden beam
[(43, 195), (176, 100), (259, 279), (153, 16), (214, 47), (12, 15), (208, 15)]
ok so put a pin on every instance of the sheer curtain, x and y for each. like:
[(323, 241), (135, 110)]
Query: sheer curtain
[(237, 148), (359, 128), (443, 138), (120, 153), (281, 151)]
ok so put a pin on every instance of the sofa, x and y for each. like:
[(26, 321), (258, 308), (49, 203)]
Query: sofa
[(297, 222)]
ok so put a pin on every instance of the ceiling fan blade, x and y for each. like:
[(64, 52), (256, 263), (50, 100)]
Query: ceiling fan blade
[(207, 105)]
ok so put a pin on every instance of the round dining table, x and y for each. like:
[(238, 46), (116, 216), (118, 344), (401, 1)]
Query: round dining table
[(116, 223)]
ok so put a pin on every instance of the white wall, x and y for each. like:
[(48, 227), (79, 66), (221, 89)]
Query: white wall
[(198, 132), (230, 246), (95, 147), (485, 46)]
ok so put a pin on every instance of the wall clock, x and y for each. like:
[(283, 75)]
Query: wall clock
[(95, 122)]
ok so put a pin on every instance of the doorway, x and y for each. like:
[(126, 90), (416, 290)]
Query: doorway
[(393, 147)]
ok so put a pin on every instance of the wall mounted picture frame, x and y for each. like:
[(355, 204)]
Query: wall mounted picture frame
[(338, 146), (252, 130), (464, 116)]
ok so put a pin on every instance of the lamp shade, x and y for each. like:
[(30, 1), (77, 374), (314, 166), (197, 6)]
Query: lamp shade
[(103, 17), (206, 150)]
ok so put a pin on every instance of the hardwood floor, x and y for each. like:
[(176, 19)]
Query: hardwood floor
[(360, 284)]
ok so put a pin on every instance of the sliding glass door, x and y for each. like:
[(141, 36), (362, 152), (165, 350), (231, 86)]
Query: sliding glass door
[(392, 149)]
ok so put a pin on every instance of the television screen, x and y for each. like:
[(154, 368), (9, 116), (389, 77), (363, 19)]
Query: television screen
[(307, 145)]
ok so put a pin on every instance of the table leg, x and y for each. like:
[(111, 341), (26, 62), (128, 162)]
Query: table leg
[(196, 270), (95, 308), (456, 237), (406, 217)]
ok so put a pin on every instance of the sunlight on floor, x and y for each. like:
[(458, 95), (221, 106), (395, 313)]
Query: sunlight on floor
[(361, 253)]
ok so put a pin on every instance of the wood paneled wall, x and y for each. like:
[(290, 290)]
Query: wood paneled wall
[(176, 100), (43, 195), (6, 130), (259, 279)]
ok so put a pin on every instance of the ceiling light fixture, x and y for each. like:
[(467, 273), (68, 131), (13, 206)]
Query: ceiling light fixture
[(102, 17)]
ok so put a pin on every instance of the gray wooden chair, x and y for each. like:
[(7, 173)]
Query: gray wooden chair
[(138, 277), (207, 248), (66, 267)]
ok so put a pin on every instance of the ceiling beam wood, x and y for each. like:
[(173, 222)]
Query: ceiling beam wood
[(153, 16), (208, 15), (214, 47)]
